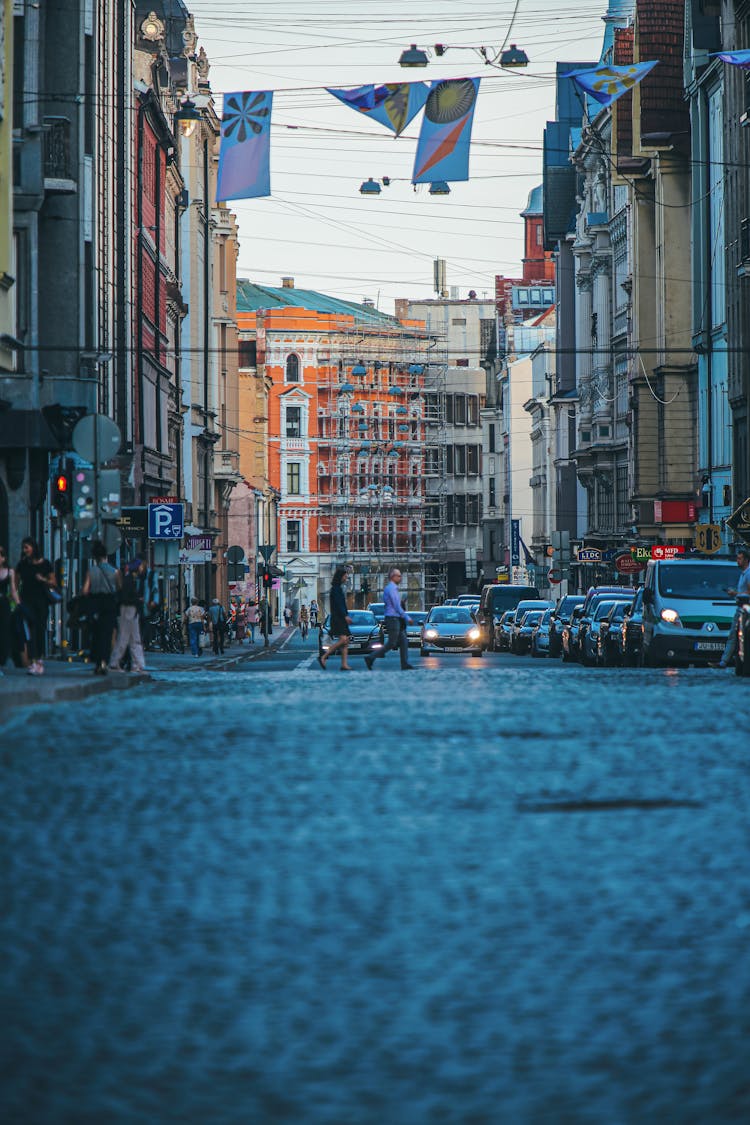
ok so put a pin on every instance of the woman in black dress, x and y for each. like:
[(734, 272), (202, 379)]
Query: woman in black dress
[(36, 578), (340, 621)]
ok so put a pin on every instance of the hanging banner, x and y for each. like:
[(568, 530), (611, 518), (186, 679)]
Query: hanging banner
[(445, 137), (608, 83), (244, 156), (393, 105), (735, 58)]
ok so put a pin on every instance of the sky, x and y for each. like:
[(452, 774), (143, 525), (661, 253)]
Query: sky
[(315, 226)]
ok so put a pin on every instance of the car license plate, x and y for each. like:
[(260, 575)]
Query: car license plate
[(709, 646)]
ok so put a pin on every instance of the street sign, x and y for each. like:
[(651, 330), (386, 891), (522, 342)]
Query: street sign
[(708, 538), (610, 554), (515, 542), (739, 521), (266, 550), (667, 551), (554, 576), (109, 492), (96, 438), (166, 553), (165, 521), (133, 522), (628, 564), (198, 543), (589, 554), (165, 500)]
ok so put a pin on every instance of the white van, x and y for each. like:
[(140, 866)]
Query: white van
[(687, 612)]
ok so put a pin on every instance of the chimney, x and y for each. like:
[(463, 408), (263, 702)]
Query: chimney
[(287, 283), (402, 308)]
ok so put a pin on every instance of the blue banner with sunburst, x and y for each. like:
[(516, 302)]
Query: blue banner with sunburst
[(393, 104), (445, 136), (608, 83), (245, 153)]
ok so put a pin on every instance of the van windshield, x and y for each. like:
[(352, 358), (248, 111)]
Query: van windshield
[(698, 580), (501, 597)]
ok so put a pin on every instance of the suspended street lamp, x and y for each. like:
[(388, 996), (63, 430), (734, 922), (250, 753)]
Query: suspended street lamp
[(187, 117), (413, 57), (439, 187)]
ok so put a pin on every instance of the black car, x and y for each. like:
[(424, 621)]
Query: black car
[(523, 629), (631, 637), (742, 658), (608, 647), (591, 623), (364, 632), (560, 618), (569, 640)]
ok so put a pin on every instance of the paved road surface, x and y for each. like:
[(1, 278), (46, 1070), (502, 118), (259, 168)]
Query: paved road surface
[(492, 890)]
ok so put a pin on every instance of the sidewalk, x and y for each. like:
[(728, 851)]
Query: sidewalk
[(76, 680)]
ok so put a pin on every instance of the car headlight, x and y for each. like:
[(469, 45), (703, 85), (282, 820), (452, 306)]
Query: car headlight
[(671, 616), (431, 634), (474, 634)]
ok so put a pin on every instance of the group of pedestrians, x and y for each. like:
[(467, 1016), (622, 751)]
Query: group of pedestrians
[(211, 625), (394, 623)]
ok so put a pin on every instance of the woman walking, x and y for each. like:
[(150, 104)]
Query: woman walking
[(340, 621), (101, 584), (252, 620), (128, 624), (195, 623), (8, 593), (35, 578)]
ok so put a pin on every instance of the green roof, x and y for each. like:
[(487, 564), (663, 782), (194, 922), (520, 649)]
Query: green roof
[(251, 297)]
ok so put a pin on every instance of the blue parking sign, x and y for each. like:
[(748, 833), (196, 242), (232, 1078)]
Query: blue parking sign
[(166, 521)]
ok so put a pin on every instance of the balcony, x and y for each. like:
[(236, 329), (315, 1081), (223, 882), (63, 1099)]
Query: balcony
[(58, 164), (227, 465)]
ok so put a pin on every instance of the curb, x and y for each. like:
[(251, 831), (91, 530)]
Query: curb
[(82, 689)]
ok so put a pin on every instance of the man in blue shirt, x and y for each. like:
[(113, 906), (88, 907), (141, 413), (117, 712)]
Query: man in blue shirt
[(743, 588), (395, 621)]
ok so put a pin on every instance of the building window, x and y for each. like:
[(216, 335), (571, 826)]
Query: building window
[(294, 421), (492, 438), (293, 478), (472, 413), (539, 235), (462, 363), (293, 535), (449, 510), (459, 410), (493, 493), (459, 460), (623, 505), (449, 409), (459, 322), (292, 368), (248, 353), (472, 460), (460, 509), (472, 508), (449, 459)]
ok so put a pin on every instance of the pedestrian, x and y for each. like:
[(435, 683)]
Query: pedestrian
[(252, 620), (743, 590), (101, 584), (304, 621), (287, 616), (128, 621), (195, 622), (395, 621), (340, 621), (266, 624), (150, 604), (218, 618), (240, 622), (314, 613), (36, 579), (8, 594)]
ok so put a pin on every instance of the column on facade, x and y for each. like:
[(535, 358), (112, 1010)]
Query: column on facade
[(601, 360), (583, 336)]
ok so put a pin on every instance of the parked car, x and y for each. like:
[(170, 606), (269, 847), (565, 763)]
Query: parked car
[(609, 647), (378, 608), (540, 635), (687, 610), (631, 635), (503, 630), (742, 659), (569, 646), (593, 596), (468, 599), (521, 609), (591, 623), (364, 632), (559, 619), (417, 618), (494, 600), (523, 627), (451, 629)]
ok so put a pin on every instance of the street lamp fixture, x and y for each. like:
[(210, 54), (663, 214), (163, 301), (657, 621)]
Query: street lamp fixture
[(514, 56), (439, 187), (506, 57), (187, 117), (370, 187), (414, 56)]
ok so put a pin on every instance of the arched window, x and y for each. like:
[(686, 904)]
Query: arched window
[(292, 368)]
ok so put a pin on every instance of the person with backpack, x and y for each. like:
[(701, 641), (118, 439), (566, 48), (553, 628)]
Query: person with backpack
[(218, 618), (128, 621), (101, 584)]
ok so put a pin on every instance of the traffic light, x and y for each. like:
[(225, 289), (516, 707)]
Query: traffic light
[(267, 579), (83, 496), (62, 489)]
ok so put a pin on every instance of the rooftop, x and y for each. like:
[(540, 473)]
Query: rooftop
[(252, 297)]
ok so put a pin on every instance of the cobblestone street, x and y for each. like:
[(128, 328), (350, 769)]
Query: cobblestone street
[(492, 891)]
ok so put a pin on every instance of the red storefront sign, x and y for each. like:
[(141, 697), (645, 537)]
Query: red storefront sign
[(667, 551), (675, 511), (627, 564)]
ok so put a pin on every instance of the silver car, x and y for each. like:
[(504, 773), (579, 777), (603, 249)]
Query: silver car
[(450, 628), (417, 619)]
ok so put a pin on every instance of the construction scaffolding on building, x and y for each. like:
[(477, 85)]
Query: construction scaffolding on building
[(381, 489)]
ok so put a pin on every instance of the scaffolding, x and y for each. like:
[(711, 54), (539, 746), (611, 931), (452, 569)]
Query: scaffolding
[(381, 434)]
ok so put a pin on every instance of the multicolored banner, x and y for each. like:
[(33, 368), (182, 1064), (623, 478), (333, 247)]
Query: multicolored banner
[(736, 58), (244, 156), (393, 105), (608, 83), (445, 137)]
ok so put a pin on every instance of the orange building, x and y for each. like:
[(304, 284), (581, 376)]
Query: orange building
[(353, 406)]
